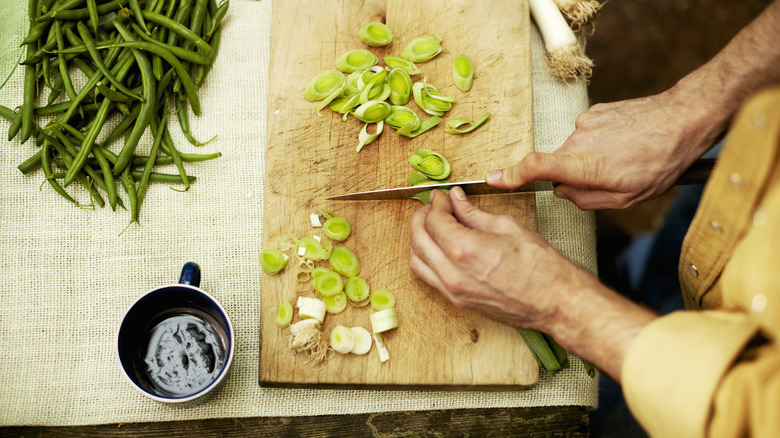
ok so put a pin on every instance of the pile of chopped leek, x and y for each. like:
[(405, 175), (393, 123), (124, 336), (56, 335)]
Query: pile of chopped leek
[(360, 87), (332, 277)]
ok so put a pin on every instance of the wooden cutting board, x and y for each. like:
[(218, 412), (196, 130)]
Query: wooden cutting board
[(309, 158)]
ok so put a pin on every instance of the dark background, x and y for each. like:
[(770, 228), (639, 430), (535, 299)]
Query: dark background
[(640, 48)]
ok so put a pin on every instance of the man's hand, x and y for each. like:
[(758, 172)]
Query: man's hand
[(497, 266), (621, 153), (492, 264)]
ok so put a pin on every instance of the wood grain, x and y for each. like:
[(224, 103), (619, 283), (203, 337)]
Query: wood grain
[(310, 157)]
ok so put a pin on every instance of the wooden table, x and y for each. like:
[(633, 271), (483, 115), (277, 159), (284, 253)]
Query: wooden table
[(549, 421)]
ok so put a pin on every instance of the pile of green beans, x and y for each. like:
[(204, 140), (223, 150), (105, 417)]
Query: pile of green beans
[(142, 59)]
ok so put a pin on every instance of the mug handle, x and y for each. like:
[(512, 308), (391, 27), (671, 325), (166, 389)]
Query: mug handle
[(190, 274)]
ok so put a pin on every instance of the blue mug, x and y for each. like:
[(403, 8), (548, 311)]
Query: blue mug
[(176, 343)]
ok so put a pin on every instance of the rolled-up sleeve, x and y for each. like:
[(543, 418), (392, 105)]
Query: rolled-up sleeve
[(674, 367)]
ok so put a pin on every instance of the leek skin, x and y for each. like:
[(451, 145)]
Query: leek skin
[(455, 125), (424, 126), (375, 34)]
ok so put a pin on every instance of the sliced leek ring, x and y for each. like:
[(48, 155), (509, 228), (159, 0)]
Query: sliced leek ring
[(322, 85), (422, 49), (373, 111), (365, 138), (424, 126), (342, 339), (272, 260), (403, 117), (400, 84), (328, 283), (456, 125), (356, 60), (462, 72), (284, 315), (430, 163), (392, 62), (344, 262), (375, 34)]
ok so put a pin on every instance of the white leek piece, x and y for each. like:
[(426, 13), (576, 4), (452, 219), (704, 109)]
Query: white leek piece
[(365, 138), (384, 355), (315, 220), (363, 340), (375, 34), (313, 308), (563, 51), (422, 49), (383, 320), (342, 340)]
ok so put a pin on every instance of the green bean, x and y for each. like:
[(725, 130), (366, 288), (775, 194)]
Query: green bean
[(86, 145), (56, 89), (181, 16), (136, 8), (67, 151), (44, 6), (123, 125), (144, 180), (179, 29), (47, 172), (16, 124), (187, 55), (168, 178), (108, 177), (63, 67), (162, 85), (93, 15), (36, 33), (114, 95), (213, 6), (181, 72), (80, 14), (31, 163), (147, 77), (198, 14), (129, 186), (184, 122), (64, 6), (46, 63), (67, 158), (30, 84), (98, 60), (176, 159), (217, 18), (203, 70), (64, 106)]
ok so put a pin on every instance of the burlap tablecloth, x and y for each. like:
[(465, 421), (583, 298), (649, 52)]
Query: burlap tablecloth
[(67, 276)]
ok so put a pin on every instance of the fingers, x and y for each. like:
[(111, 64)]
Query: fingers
[(586, 199), (426, 252), (479, 220), (559, 167)]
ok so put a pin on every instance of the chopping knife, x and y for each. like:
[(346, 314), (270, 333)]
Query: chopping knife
[(696, 174)]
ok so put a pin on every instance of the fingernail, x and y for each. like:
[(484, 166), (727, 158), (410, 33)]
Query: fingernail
[(560, 194), (493, 176), (459, 193)]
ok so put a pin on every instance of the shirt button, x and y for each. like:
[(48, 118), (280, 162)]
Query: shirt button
[(759, 218), (759, 303), (693, 270), (715, 226), (736, 180)]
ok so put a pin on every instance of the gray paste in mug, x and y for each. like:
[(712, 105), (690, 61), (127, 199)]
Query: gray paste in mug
[(184, 355)]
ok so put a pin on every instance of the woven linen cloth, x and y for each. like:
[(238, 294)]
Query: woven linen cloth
[(67, 275)]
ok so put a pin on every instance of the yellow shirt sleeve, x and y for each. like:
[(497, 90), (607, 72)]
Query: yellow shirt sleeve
[(674, 366)]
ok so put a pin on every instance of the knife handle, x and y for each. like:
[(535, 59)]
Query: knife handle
[(698, 172)]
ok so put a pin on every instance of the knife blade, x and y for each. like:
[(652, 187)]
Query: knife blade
[(696, 174)]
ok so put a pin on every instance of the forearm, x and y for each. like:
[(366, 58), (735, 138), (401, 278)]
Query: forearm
[(750, 62), (596, 323)]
